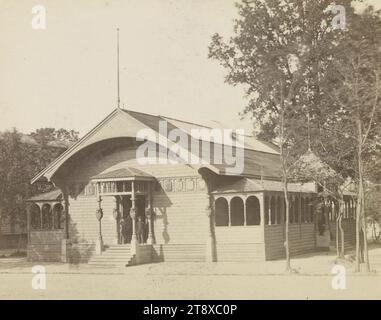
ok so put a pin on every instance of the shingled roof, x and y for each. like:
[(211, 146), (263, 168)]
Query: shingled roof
[(261, 159)]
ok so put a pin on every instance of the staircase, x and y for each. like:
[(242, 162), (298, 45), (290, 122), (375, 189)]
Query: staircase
[(114, 256)]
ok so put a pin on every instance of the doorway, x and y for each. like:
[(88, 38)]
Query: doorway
[(125, 220)]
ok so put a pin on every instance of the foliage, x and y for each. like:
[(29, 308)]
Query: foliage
[(19, 162)]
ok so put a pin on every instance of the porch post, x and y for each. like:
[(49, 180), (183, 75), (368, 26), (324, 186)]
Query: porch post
[(150, 217), (41, 216), (28, 212), (211, 241), (65, 253), (261, 198), (116, 215), (99, 216), (134, 240)]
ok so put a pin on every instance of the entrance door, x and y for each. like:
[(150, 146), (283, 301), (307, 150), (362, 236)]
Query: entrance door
[(125, 221), (141, 221)]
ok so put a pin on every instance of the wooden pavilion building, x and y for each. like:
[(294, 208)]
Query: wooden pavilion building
[(110, 209)]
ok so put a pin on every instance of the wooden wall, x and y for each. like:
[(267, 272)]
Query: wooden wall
[(349, 226), (179, 201), (302, 240), (45, 245), (239, 243)]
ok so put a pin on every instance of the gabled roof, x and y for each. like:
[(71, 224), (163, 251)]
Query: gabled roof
[(126, 123)]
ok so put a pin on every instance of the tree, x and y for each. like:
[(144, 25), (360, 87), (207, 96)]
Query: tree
[(19, 161), (278, 46), (373, 211), (353, 85)]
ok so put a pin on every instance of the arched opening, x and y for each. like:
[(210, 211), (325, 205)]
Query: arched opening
[(273, 210), (267, 210), (297, 210), (292, 210), (253, 212), (47, 222), (237, 212), (279, 210), (35, 217), (308, 209), (57, 215), (222, 212)]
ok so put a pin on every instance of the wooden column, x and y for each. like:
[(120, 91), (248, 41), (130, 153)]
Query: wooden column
[(66, 215), (211, 250), (276, 210), (261, 198), (65, 248), (244, 211), (116, 215), (52, 213), (270, 209), (99, 216), (41, 216), (134, 239), (28, 228), (229, 213), (150, 216)]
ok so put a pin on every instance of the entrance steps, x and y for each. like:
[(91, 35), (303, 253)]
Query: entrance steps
[(114, 256)]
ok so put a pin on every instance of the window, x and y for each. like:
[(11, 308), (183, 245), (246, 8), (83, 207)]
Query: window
[(35, 217), (292, 210), (253, 214), (222, 212), (57, 214), (279, 210), (237, 212)]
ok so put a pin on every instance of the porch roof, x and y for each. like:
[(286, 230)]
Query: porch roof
[(255, 185), (123, 174), (54, 195)]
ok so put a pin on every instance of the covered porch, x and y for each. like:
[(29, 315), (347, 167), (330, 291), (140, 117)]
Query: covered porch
[(131, 191)]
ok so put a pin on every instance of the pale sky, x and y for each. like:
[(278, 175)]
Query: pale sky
[(65, 75)]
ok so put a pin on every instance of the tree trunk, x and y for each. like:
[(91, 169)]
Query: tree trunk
[(360, 213), (342, 238), (337, 237), (286, 242), (364, 228), (285, 191)]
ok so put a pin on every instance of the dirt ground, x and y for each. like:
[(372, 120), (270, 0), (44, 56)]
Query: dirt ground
[(191, 281)]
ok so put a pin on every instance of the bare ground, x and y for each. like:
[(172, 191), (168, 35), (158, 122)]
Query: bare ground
[(263, 280)]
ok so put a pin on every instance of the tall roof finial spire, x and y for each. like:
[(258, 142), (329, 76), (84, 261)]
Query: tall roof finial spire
[(117, 53)]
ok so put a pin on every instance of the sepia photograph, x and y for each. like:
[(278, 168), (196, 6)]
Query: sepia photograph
[(190, 150)]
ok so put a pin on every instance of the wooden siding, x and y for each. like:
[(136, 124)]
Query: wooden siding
[(180, 213), (349, 226), (239, 243), (302, 240), (45, 245), (180, 218)]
